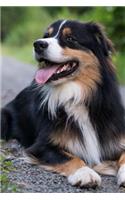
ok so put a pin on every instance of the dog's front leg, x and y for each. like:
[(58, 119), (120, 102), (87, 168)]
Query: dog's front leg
[(54, 159), (121, 170)]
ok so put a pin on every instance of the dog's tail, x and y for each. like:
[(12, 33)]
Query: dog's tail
[(107, 168), (6, 124)]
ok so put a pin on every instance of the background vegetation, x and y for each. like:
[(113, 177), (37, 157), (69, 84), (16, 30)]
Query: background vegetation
[(22, 25)]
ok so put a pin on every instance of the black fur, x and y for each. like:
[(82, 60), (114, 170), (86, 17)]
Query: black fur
[(22, 119), (107, 115)]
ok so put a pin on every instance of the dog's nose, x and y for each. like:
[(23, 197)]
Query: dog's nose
[(40, 45)]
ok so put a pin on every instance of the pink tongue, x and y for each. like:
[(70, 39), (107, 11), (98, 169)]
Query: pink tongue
[(43, 75)]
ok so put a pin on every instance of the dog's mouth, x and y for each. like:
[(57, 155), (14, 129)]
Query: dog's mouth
[(53, 71)]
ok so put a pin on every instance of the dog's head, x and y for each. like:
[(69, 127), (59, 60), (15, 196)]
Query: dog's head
[(68, 48), (72, 51)]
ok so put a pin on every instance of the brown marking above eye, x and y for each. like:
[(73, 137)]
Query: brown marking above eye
[(66, 31), (50, 30)]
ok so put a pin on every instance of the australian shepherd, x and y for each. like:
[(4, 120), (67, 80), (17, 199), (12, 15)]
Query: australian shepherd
[(70, 118)]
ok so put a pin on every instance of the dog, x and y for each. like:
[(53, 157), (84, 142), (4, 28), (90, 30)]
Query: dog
[(70, 119)]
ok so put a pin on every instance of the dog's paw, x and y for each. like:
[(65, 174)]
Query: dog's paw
[(85, 177), (121, 176)]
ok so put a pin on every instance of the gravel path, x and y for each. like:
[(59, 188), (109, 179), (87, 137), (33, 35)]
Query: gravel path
[(31, 178)]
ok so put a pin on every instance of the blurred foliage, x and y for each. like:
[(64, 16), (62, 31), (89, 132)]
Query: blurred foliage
[(22, 25)]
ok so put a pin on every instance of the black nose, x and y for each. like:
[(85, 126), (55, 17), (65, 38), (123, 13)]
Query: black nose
[(40, 45)]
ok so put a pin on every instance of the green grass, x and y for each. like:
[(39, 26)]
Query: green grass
[(6, 168), (25, 54)]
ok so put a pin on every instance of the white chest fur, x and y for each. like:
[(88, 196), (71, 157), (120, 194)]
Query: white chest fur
[(57, 96), (89, 150)]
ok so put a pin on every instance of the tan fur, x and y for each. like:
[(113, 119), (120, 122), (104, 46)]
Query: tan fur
[(70, 167), (50, 31), (64, 169), (83, 56), (88, 79), (66, 31), (121, 161), (61, 138), (107, 168), (88, 74), (110, 167)]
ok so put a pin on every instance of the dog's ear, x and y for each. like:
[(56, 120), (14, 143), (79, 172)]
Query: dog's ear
[(99, 35)]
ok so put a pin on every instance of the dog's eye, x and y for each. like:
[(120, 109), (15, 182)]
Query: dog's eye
[(71, 39)]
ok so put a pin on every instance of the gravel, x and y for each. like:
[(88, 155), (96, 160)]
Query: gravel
[(32, 178)]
